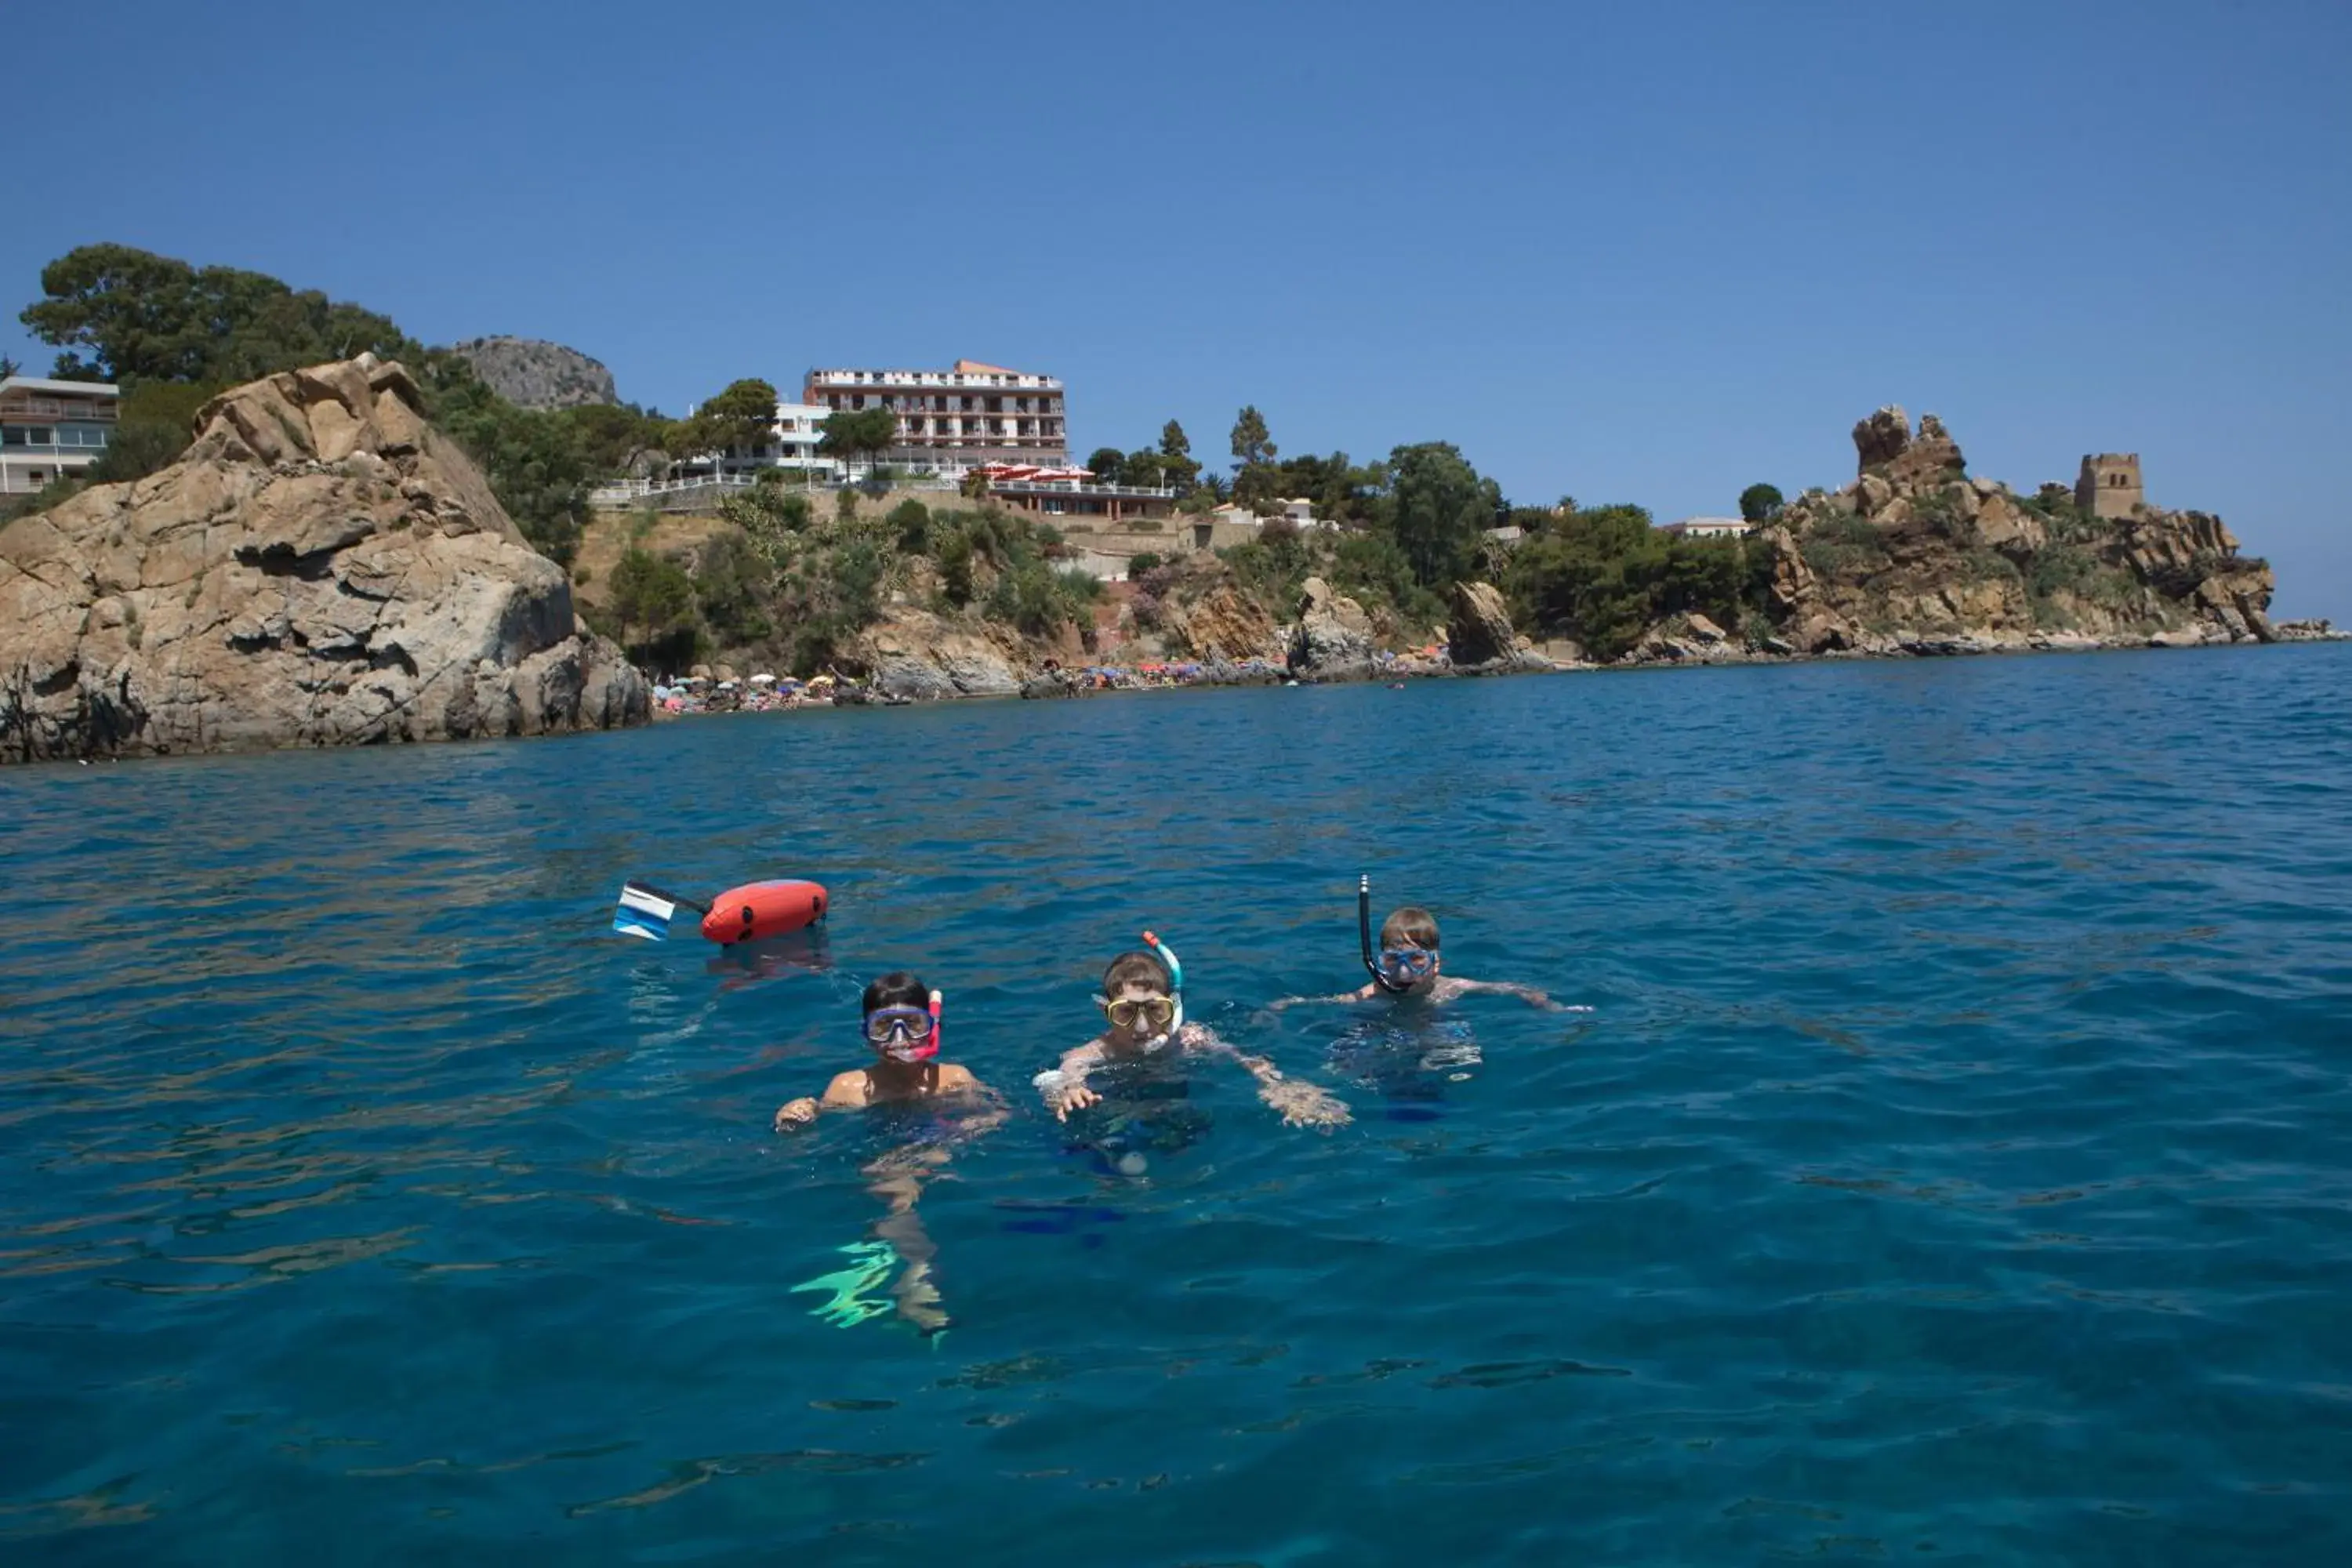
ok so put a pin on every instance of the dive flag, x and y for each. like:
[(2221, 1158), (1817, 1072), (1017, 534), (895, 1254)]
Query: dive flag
[(645, 912)]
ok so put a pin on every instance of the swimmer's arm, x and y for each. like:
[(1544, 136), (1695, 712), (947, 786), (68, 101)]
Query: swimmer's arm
[(1527, 994), (845, 1092), (1209, 1043), (1064, 1089), (1363, 993), (1298, 1104)]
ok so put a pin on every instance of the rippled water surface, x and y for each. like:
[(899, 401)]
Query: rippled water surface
[(1956, 1164)]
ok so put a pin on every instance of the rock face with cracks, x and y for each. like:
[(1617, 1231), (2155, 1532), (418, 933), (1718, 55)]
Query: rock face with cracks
[(320, 568), (1478, 630)]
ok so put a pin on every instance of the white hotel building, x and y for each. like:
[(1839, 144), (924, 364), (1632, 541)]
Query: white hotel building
[(951, 420)]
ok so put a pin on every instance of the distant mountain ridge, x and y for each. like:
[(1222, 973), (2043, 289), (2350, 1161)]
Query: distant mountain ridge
[(530, 373)]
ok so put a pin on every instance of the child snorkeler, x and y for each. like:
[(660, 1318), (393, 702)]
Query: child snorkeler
[(1408, 964), (902, 1024), (1144, 1010)]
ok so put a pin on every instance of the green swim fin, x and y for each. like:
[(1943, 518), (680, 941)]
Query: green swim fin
[(849, 1306)]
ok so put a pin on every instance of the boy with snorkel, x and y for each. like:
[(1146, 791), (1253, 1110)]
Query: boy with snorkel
[(1142, 1002), (1408, 964), (901, 1022)]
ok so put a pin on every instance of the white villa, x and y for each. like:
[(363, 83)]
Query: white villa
[(51, 430), (1709, 528)]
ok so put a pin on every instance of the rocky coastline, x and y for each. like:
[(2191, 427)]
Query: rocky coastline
[(321, 567), (1912, 559), (1328, 654)]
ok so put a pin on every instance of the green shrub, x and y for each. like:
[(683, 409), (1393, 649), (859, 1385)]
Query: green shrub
[(653, 594), (732, 582), (1844, 544), (910, 520), (1985, 566)]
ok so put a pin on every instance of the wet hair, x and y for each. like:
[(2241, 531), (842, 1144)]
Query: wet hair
[(1410, 924), (897, 989), (1134, 969)]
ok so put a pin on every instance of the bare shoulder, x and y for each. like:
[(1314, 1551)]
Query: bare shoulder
[(1527, 993), (955, 1078), (849, 1088)]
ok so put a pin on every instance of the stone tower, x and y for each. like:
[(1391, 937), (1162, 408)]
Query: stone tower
[(2109, 485)]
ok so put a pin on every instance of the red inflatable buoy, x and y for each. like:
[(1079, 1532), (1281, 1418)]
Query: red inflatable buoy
[(763, 909)]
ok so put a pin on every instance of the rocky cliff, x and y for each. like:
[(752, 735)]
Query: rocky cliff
[(319, 568), (534, 374), (1915, 555), (914, 654)]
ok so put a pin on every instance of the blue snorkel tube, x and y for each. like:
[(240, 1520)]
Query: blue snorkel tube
[(1175, 981), (1364, 933)]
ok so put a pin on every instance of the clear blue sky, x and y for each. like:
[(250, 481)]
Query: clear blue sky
[(1627, 253)]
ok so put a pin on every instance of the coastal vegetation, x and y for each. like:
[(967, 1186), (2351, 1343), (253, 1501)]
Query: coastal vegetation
[(172, 335), (787, 583)]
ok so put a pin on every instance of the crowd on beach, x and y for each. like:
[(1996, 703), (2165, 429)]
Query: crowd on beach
[(680, 695)]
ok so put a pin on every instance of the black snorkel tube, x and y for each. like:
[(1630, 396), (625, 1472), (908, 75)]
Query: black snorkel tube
[(1364, 931)]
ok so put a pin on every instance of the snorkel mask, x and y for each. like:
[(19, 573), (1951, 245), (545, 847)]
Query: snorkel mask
[(904, 1033), (1381, 976)]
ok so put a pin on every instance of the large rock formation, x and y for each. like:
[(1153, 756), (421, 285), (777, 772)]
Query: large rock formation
[(1220, 623), (1887, 450), (914, 654), (319, 568), (1914, 556), (1479, 631), (535, 375), (1333, 639)]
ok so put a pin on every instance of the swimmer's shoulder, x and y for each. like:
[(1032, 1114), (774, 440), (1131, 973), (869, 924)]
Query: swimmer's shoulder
[(955, 1078), (849, 1088)]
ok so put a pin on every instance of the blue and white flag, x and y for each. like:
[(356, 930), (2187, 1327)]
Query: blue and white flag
[(644, 912)]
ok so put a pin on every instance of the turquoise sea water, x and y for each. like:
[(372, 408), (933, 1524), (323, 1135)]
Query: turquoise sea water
[(1955, 1166)]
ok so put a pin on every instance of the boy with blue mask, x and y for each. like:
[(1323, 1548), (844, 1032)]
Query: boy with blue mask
[(902, 1024), (1143, 1013), (1408, 964)]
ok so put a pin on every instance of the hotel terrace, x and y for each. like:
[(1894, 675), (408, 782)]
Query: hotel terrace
[(955, 420)]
